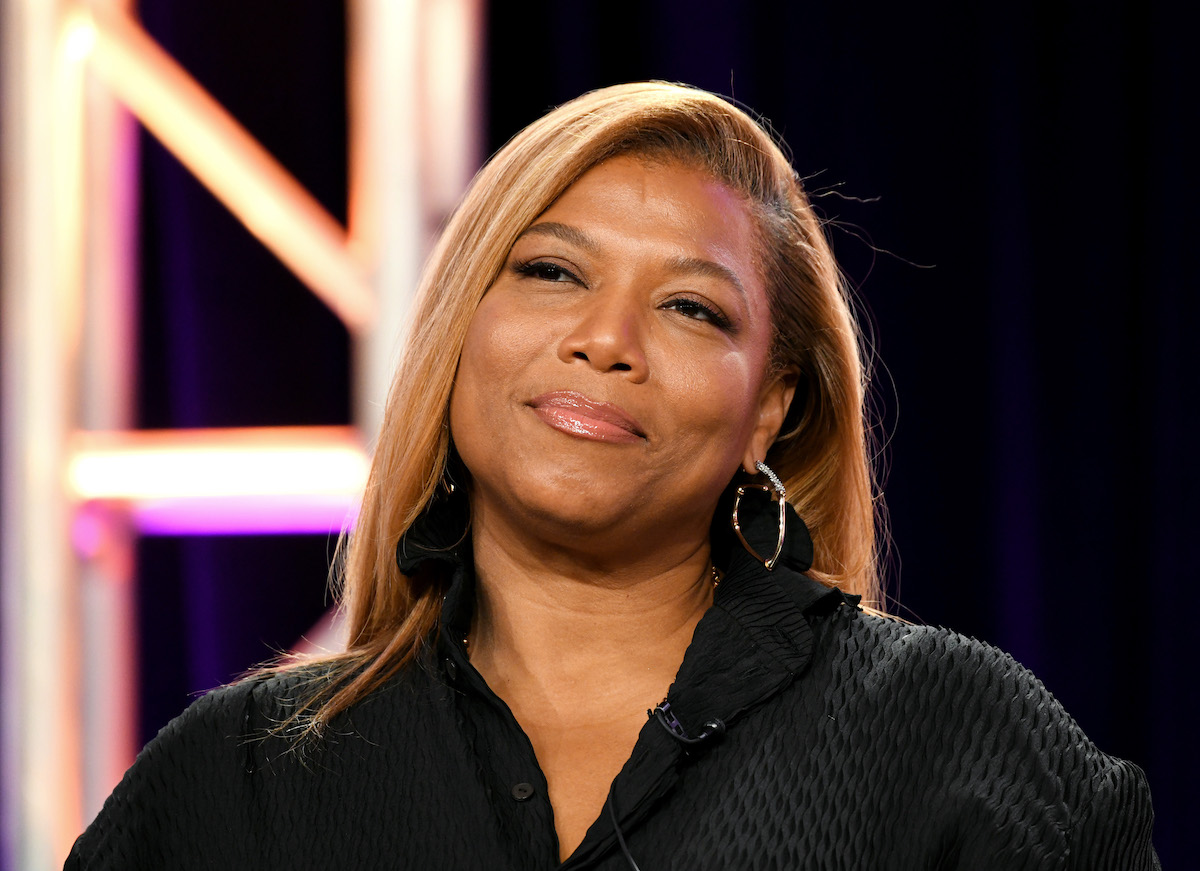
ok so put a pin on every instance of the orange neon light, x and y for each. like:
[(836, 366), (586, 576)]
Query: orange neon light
[(207, 464)]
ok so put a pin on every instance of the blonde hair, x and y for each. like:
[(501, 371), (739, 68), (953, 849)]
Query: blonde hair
[(822, 454)]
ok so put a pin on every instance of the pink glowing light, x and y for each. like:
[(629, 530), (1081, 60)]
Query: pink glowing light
[(246, 515), (229, 482)]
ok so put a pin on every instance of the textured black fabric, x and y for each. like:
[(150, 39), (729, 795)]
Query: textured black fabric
[(852, 742)]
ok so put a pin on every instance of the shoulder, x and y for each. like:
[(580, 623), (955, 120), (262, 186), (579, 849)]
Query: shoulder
[(883, 654), (187, 792), (951, 687), (977, 727), (209, 731), (231, 717), (155, 811), (226, 781), (956, 687)]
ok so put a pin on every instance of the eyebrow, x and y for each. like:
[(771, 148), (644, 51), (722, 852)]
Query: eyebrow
[(565, 232), (709, 268), (681, 265)]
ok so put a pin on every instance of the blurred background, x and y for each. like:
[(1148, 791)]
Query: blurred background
[(219, 279)]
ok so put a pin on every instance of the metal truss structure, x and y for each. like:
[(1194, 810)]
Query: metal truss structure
[(78, 484)]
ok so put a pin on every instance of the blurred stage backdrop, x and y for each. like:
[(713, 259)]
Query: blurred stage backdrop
[(1009, 188)]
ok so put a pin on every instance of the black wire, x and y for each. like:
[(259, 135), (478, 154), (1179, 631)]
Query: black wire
[(612, 813), (713, 729)]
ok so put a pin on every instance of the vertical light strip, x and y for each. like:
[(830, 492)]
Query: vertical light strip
[(43, 53), (450, 127), (385, 187), (107, 583)]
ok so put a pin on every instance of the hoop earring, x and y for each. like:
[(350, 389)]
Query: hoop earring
[(451, 467), (780, 494)]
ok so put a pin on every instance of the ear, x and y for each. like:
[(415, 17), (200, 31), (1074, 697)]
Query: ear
[(774, 400)]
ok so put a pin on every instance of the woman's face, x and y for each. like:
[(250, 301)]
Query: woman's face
[(614, 375)]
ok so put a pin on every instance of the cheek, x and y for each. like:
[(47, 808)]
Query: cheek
[(502, 335), (497, 348), (718, 400)]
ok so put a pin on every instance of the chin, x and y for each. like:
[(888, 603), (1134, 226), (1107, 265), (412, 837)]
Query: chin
[(569, 502), (557, 507)]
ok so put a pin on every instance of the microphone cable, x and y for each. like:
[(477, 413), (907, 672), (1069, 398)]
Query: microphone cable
[(711, 732), (611, 803)]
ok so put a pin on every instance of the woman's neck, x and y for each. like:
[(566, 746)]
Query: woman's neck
[(565, 623)]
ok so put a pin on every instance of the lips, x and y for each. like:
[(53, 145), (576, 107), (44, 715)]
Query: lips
[(575, 414)]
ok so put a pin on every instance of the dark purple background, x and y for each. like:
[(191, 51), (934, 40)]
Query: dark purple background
[(1021, 259)]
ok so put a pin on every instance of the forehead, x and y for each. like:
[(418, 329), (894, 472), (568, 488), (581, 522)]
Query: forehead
[(653, 177), (651, 199)]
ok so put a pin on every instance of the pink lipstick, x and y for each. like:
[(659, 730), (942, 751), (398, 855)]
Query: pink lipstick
[(575, 414)]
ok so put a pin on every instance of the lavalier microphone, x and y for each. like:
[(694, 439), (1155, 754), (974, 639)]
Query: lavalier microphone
[(710, 733)]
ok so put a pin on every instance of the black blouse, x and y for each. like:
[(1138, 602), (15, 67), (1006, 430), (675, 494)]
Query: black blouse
[(845, 741)]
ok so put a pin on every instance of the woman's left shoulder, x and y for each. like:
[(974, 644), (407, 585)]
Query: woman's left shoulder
[(955, 682), (936, 662), (990, 728)]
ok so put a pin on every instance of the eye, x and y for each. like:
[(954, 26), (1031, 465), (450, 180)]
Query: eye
[(543, 270), (697, 310)]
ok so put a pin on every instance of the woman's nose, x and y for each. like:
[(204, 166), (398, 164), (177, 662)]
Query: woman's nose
[(609, 335)]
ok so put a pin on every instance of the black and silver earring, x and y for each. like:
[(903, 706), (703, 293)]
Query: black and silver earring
[(776, 491)]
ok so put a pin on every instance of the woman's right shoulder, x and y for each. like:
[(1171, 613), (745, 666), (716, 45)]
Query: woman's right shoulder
[(190, 785), (238, 711)]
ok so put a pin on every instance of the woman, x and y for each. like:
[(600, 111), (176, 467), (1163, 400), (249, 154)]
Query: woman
[(631, 372)]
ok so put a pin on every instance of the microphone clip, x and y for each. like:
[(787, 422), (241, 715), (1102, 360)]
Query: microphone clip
[(710, 733)]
